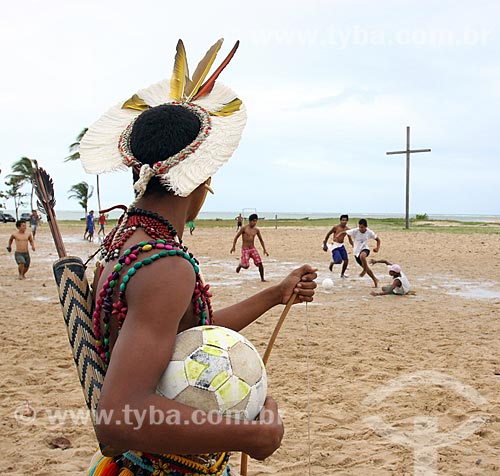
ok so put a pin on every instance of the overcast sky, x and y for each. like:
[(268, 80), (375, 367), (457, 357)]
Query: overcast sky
[(330, 86)]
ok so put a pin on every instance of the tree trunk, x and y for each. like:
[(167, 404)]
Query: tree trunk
[(98, 195)]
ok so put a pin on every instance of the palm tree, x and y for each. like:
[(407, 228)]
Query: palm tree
[(82, 192), (22, 172), (74, 150), (14, 192)]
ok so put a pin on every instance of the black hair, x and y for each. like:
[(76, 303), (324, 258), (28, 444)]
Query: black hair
[(19, 223), (363, 222), (159, 133), (253, 216), (344, 216)]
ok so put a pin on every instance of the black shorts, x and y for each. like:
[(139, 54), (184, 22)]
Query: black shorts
[(367, 252)]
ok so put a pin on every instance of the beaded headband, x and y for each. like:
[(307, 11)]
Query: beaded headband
[(106, 145)]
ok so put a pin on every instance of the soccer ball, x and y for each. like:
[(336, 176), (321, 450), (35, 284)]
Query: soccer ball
[(216, 369), (327, 283)]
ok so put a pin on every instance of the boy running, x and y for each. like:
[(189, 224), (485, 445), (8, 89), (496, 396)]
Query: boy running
[(248, 250), (361, 236), (21, 255), (339, 253)]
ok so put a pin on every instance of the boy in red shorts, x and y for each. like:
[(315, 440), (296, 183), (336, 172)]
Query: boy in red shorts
[(248, 250)]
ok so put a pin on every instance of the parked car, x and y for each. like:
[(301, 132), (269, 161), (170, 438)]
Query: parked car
[(6, 217), (25, 216)]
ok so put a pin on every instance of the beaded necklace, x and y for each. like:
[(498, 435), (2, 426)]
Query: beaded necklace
[(154, 225), (167, 243)]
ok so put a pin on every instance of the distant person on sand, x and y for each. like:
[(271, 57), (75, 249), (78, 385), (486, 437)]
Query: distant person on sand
[(248, 250), (191, 226), (361, 236), (21, 255), (400, 284), (102, 223), (239, 221), (34, 219), (339, 253), (90, 226)]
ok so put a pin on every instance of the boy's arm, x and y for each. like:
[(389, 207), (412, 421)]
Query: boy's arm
[(240, 232), (9, 246), (262, 243), (138, 360), (32, 242), (325, 247), (376, 261), (375, 250), (299, 281)]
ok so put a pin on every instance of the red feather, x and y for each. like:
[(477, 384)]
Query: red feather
[(208, 85)]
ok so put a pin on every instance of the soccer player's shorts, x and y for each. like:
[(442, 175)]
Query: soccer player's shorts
[(22, 258), (247, 253), (339, 254)]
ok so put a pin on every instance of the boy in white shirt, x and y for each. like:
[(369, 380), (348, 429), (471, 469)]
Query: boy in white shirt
[(400, 284), (361, 236)]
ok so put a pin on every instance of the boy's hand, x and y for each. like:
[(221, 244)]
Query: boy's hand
[(301, 282), (375, 250), (232, 250), (9, 249), (270, 431), (372, 261), (325, 247), (266, 253)]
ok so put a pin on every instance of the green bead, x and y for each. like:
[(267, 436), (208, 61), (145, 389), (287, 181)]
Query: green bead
[(123, 287), (172, 252), (106, 341), (192, 261), (112, 283), (161, 241), (118, 267), (196, 269), (142, 243), (126, 279), (131, 271), (127, 252), (163, 253), (155, 256), (106, 326), (147, 261), (107, 355), (138, 265), (179, 252)]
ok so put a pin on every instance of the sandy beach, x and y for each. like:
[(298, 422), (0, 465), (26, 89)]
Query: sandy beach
[(364, 383)]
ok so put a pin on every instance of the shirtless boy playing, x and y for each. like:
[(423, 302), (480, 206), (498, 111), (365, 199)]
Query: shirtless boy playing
[(248, 250), (339, 253), (22, 256)]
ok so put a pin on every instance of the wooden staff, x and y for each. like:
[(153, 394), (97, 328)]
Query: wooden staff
[(267, 353)]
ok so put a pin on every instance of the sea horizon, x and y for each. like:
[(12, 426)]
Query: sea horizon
[(70, 215)]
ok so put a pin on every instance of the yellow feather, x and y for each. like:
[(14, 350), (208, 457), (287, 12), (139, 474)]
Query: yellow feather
[(228, 108), (136, 103), (180, 74), (203, 69)]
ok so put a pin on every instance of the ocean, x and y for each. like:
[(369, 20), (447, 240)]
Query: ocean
[(225, 215)]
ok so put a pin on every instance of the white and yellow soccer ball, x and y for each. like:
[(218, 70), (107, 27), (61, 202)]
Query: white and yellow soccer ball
[(216, 369)]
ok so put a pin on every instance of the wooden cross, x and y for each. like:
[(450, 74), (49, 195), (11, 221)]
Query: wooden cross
[(407, 152)]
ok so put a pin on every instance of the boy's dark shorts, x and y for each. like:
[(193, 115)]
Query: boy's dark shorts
[(339, 254), (367, 252), (22, 258)]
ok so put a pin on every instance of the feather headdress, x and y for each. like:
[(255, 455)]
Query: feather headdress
[(105, 146)]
